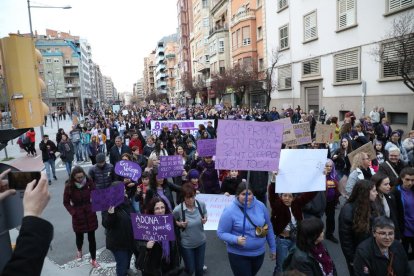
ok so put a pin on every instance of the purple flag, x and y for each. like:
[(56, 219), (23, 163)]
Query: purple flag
[(102, 199), (170, 166), (128, 169), (153, 227), (248, 145), (206, 147)]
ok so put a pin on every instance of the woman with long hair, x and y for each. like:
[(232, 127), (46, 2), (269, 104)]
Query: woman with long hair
[(93, 149), (77, 200), (332, 199), (354, 221), (342, 163), (159, 150), (162, 188), (67, 151)]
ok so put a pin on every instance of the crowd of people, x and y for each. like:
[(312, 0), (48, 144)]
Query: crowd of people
[(376, 224)]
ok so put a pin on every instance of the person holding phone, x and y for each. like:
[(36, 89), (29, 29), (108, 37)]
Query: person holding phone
[(77, 200), (48, 149), (35, 233)]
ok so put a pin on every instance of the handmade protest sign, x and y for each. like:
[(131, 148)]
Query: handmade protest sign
[(102, 199), (301, 170), (302, 133), (288, 131), (215, 205), (368, 148), (128, 169), (153, 227), (124, 112), (206, 147), (325, 133), (218, 107), (170, 166), (248, 145)]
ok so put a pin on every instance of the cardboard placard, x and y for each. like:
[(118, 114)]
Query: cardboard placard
[(325, 133), (302, 133), (368, 148), (153, 227), (288, 131)]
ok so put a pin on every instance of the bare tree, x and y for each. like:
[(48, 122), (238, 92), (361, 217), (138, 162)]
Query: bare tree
[(243, 75), (188, 85), (151, 97), (397, 54), (270, 78), (219, 83)]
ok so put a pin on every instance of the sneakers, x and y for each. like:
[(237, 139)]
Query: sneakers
[(94, 264), (54, 177), (79, 255)]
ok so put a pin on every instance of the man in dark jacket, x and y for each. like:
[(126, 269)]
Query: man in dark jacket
[(48, 149), (381, 254), (117, 150), (102, 173)]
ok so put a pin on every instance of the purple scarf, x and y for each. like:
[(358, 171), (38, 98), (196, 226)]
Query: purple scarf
[(166, 250), (321, 255)]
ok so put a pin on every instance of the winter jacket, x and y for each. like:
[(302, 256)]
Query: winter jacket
[(342, 163), (102, 177), (137, 143), (385, 169), (370, 261), (153, 262), (66, 150), (400, 208), (403, 152), (231, 227), (31, 135), (48, 153), (230, 184), (168, 187), (78, 203), (209, 183), (148, 149), (115, 156), (354, 176), (304, 262), (316, 207)]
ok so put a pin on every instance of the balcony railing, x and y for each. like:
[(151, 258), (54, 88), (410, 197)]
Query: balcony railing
[(219, 28), (242, 15)]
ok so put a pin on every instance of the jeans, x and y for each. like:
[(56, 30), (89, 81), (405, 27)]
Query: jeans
[(78, 151), (283, 246), (68, 165), (101, 148), (123, 259), (85, 152), (245, 265), (50, 164), (194, 259)]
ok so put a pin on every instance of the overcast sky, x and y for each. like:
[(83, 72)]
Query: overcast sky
[(121, 32)]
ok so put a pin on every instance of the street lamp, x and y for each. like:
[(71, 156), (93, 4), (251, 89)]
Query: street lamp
[(31, 30)]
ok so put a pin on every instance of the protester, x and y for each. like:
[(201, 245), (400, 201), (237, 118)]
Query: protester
[(102, 174), (245, 230), (310, 256), (84, 142), (381, 254), (354, 222), (381, 155), (230, 183), (332, 200), (340, 158), (77, 200), (32, 138), (139, 158), (393, 166), (93, 149), (383, 131), (408, 144), (48, 149), (75, 138), (395, 141), (360, 170), (158, 151), (149, 147), (117, 150), (67, 152), (209, 182), (162, 188), (190, 216)]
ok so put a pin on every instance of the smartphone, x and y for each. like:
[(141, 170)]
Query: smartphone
[(19, 180)]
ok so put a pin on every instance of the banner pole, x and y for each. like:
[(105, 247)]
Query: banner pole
[(245, 202)]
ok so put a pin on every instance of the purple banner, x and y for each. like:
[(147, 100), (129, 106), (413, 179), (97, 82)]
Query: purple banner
[(247, 145), (170, 166), (102, 199), (206, 147), (128, 169), (153, 227)]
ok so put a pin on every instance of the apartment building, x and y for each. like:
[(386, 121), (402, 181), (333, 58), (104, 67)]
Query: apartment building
[(138, 89), (328, 57), (110, 94), (100, 95), (149, 71)]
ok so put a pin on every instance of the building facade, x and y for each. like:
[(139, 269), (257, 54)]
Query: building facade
[(149, 71), (109, 91), (328, 57)]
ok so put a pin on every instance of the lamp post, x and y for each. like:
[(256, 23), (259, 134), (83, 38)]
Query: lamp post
[(31, 29)]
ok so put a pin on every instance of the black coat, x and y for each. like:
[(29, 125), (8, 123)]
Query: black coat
[(390, 198), (48, 153), (168, 187), (306, 263), (151, 262), (115, 156), (385, 169), (370, 261), (32, 246)]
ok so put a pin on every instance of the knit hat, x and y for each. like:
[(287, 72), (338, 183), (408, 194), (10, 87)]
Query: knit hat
[(100, 158), (193, 174)]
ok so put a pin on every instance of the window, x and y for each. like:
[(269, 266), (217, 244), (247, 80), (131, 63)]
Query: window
[(398, 118), (346, 13), (221, 46), (222, 67), (310, 68), (396, 5), (396, 57), (207, 58), (285, 77), (205, 3), (56, 60), (282, 4), (259, 33), (212, 48), (67, 61), (239, 38), (284, 37), (205, 22), (347, 66), (246, 36), (234, 40), (310, 29), (48, 60), (261, 64)]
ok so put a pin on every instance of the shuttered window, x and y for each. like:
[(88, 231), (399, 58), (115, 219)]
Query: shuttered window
[(284, 37), (310, 68), (285, 77), (246, 36), (310, 29), (282, 4), (396, 56), (346, 13), (394, 5), (347, 66)]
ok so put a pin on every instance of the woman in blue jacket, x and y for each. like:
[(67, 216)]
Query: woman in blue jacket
[(246, 247)]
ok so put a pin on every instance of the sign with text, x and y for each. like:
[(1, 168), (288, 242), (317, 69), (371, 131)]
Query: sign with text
[(170, 166), (218, 107), (302, 133), (128, 169), (102, 199), (248, 145), (288, 131), (153, 227), (325, 133), (215, 205), (206, 147), (311, 163), (192, 125), (368, 148)]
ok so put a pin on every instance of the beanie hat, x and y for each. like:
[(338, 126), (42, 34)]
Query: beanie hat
[(100, 158), (193, 174)]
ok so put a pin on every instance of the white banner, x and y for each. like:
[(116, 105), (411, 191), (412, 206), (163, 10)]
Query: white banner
[(215, 205), (183, 125)]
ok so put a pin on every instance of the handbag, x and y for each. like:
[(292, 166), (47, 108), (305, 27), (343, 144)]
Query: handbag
[(261, 231)]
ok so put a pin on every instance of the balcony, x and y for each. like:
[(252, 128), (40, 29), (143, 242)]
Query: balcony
[(161, 84), (160, 76), (70, 85), (242, 15), (72, 75), (160, 59), (219, 28), (160, 50), (159, 68), (70, 65)]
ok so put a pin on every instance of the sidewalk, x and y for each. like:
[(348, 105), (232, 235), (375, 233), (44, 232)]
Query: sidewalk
[(23, 162)]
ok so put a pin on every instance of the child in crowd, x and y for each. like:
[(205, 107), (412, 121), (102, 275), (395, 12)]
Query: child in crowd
[(230, 183), (142, 188)]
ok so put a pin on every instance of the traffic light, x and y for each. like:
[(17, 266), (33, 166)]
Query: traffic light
[(20, 62)]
